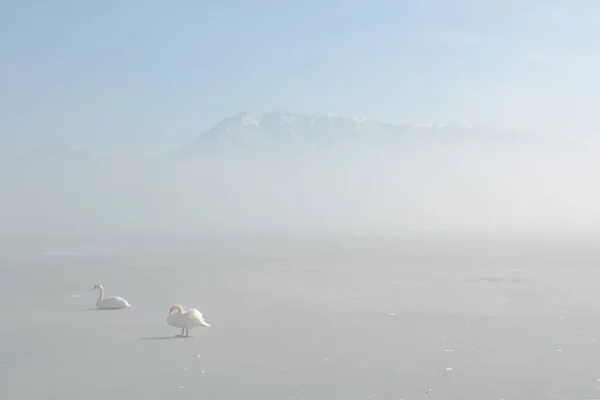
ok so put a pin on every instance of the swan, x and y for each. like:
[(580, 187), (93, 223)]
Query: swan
[(109, 303), (185, 320)]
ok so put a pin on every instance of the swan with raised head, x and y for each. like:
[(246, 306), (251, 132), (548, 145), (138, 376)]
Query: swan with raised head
[(185, 320), (109, 303)]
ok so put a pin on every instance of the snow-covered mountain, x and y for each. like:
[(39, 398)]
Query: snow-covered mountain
[(279, 129), (281, 134)]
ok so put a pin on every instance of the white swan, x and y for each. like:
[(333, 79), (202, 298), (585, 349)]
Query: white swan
[(109, 303), (185, 320)]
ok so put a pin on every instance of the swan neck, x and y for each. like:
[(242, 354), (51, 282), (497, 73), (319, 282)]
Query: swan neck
[(178, 309), (101, 295)]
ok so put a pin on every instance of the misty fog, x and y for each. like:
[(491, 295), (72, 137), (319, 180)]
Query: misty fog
[(430, 189), (366, 200)]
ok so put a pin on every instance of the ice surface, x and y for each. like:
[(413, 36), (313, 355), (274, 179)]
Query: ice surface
[(313, 324)]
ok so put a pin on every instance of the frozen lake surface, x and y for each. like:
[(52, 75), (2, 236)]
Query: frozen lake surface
[(302, 318)]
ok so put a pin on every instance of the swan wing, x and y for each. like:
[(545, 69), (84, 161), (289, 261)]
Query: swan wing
[(196, 317), (114, 302), (195, 313)]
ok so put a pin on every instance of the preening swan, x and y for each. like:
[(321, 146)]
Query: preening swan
[(185, 320), (109, 303)]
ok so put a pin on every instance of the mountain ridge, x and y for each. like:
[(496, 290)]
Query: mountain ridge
[(246, 132), (283, 129)]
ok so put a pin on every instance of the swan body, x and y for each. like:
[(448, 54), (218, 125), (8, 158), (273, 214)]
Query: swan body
[(185, 320), (109, 303)]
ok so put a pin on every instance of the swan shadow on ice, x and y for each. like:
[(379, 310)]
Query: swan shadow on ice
[(166, 337)]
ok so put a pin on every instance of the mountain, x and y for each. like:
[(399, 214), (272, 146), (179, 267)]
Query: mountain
[(282, 134), (285, 130)]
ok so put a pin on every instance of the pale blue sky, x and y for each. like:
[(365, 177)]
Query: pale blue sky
[(155, 74)]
